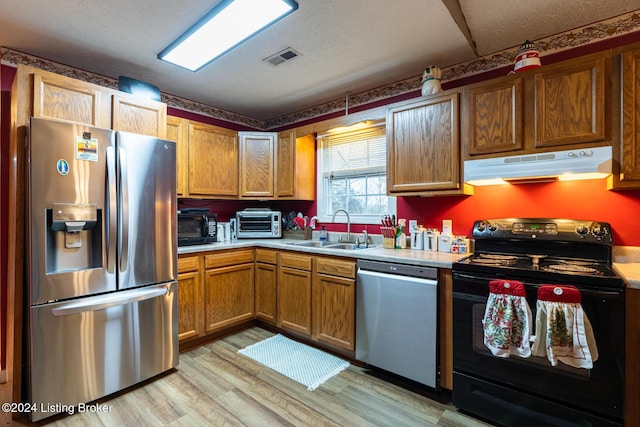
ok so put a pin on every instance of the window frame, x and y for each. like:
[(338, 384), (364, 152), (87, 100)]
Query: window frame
[(324, 216)]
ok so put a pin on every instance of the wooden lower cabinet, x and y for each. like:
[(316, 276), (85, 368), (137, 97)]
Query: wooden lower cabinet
[(189, 297), (334, 302), (266, 281), (294, 293), (228, 289)]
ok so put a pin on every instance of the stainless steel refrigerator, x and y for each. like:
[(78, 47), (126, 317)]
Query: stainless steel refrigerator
[(102, 263)]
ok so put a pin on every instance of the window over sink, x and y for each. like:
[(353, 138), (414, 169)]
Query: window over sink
[(352, 174)]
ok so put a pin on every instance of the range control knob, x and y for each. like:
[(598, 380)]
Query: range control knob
[(582, 230), (493, 227), (598, 230), (481, 226)]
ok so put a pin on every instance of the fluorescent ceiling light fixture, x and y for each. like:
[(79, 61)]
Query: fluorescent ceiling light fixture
[(227, 25)]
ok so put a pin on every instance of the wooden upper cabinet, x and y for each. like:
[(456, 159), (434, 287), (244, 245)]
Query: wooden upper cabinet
[(286, 168), (213, 161), (295, 166), (52, 96), (423, 146), (178, 131), (628, 150), (570, 102), (141, 116), (257, 164), (63, 98), (494, 118), (630, 153), (555, 107)]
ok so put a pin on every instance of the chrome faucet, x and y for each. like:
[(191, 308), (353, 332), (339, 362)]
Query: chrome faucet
[(348, 223), (365, 238)]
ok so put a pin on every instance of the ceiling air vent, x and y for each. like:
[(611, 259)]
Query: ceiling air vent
[(284, 55)]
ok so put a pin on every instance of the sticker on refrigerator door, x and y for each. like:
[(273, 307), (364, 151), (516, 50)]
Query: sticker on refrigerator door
[(86, 148), (62, 166)]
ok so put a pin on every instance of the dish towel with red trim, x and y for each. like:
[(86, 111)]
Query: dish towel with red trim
[(506, 322), (563, 332)]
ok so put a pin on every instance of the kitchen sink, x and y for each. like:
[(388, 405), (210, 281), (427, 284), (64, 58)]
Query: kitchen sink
[(314, 243), (331, 245), (347, 246)]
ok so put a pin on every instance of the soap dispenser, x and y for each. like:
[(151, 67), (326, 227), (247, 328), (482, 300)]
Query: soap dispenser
[(323, 233)]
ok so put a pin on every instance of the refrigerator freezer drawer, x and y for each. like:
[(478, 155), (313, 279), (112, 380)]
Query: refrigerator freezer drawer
[(87, 348)]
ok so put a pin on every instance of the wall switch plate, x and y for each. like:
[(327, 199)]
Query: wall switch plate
[(447, 227), (413, 224)]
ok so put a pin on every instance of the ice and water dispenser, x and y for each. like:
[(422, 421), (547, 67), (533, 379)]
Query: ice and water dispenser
[(73, 237)]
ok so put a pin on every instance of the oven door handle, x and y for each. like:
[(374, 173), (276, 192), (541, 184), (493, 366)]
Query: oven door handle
[(484, 280)]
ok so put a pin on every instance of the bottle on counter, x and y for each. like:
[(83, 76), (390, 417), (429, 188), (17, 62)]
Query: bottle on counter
[(323, 233)]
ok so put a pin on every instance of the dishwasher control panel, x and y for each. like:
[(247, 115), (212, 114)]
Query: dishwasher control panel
[(400, 269)]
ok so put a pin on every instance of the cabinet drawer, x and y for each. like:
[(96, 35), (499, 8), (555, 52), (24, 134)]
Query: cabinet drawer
[(225, 258), (299, 262), (190, 263), (267, 256), (336, 267)]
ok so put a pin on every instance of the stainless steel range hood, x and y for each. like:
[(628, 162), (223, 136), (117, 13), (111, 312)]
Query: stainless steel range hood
[(587, 163)]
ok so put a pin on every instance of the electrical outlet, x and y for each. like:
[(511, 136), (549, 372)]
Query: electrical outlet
[(413, 224)]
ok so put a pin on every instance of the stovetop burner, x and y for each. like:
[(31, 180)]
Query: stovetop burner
[(494, 259), (574, 268)]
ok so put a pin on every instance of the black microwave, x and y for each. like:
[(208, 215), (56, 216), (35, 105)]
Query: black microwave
[(196, 227)]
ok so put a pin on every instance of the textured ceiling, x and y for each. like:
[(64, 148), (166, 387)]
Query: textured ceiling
[(497, 24), (346, 46)]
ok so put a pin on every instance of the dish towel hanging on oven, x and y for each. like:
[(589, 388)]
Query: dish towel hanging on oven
[(563, 332), (506, 322)]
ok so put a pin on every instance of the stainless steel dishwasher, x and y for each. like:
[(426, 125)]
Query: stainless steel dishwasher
[(397, 319)]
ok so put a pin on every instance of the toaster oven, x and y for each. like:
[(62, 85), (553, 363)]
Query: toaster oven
[(258, 223)]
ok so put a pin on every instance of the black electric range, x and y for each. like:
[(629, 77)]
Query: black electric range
[(544, 249)]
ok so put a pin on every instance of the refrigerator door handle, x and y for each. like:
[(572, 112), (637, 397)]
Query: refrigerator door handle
[(111, 300), (124, 211), (111, 220)]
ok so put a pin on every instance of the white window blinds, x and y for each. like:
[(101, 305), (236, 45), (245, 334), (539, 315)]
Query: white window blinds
[(355, 153)]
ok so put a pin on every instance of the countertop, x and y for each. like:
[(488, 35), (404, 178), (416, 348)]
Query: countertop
[(375, 253), (626, 259), (626, 263)]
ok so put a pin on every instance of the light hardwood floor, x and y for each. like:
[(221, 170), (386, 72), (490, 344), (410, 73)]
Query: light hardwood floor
[(215, 386)]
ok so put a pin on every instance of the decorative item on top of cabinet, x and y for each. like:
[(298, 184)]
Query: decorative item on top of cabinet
[(334, 302), (212, 161), (628, 151), (141, 116), (228, 289), (266, 285), (294, 293), (423, 147), (257, 164), (190, 292)]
